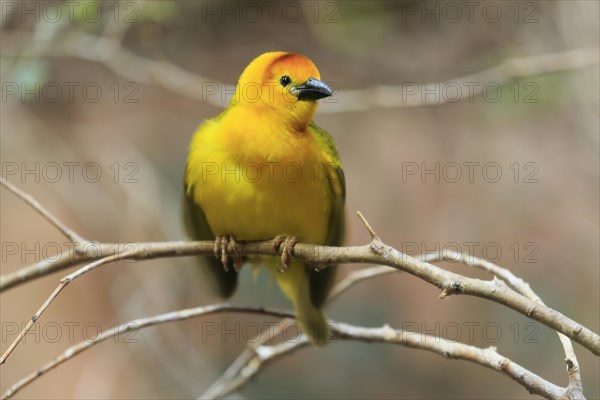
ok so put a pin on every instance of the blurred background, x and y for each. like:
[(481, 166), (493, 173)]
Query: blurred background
[(100, 99)]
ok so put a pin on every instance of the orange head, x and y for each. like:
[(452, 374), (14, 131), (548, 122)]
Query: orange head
[(286, 83)]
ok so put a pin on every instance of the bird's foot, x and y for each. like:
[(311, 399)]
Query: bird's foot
[(220, 247), (288, 243)]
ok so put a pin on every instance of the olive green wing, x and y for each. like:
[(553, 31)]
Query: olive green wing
[(331, 174), (221, 281)]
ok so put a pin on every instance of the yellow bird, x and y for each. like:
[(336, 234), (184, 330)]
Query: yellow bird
[(261, 170)]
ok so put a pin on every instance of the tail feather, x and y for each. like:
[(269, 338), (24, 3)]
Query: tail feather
[(295, 284), (312, 321)]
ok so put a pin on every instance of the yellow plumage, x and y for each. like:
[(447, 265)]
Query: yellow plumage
[(262, 169)]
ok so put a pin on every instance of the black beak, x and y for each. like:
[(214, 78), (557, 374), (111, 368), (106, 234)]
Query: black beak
[(312, 89)]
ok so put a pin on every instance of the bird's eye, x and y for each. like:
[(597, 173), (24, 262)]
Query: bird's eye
[(285, 80)]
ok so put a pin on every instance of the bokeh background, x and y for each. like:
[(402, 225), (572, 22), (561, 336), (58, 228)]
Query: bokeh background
[(119, 93)]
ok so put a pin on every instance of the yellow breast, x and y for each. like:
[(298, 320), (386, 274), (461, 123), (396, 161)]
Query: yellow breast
[(258, 180)]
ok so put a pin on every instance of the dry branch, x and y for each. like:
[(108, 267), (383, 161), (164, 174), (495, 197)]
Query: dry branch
[(135, 325), (516, 295), (488, 357), (375, 253)]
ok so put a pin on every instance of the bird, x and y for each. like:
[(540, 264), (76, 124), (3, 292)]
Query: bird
[(261, 170)]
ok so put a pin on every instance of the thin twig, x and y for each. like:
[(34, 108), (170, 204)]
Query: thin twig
[(58, 262), (522, 287), (488, 357), (227, 381), (261, 356), (33, 203), (134, 325), (512, 280), (367, 226), (62, 284), (360, 275)]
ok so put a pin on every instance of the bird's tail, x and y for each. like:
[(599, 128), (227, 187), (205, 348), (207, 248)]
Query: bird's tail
[(295, 285), (312, 321)]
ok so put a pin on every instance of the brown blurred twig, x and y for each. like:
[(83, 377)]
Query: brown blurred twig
[(109, 50), (507, 71)]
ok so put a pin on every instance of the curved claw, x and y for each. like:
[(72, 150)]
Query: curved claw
[(237, 258), (287, 252), (217, 246), (220, 251)]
